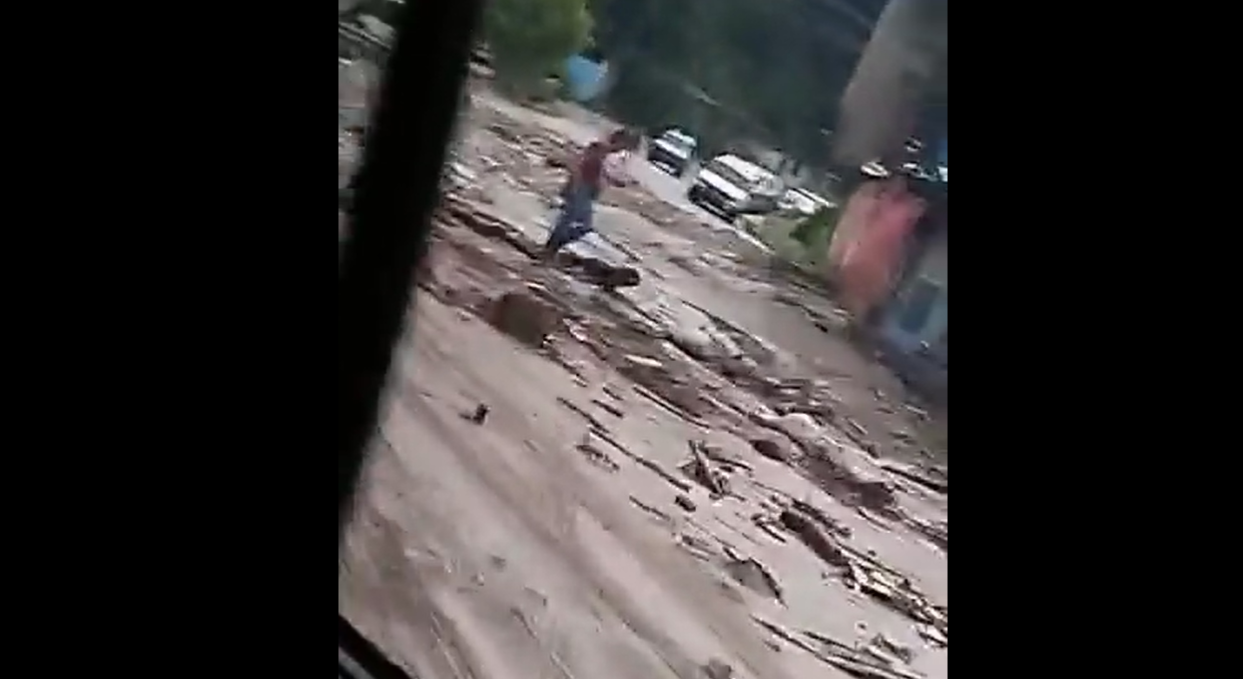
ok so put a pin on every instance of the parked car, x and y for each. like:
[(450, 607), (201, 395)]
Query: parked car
[(730, 186), (674, 150), (803, 202)]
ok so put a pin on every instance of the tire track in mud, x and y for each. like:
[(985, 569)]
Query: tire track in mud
[(504, 483)]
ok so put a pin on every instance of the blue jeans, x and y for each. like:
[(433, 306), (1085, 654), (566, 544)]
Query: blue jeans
[(574, 222)]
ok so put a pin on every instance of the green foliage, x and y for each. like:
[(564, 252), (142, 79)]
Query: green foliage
[(768, 70), (530, 38), (816, 231)]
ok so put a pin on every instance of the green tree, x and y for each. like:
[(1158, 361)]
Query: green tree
[(529, 39), (768, 70)]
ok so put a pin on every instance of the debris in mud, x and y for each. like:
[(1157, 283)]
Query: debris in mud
[(525, 317), (608, 408), (699, 469), (815, 539), (770, 449), (844, 484), (671, 408), (479, 415), (697, 547), (595, 455), (598, 272), (896, 592), (665, 518), (889, 649), (765, 524), (754, 576), (827, 522), (938, 533), (840, 655), (932, 635), (603, 322), (716, 669), (644, 361), (731, 464), (932, 479), (592, 421), (660, 471), (877, 654)]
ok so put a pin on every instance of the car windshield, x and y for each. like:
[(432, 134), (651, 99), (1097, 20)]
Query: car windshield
[(679, 140), (728, 173)]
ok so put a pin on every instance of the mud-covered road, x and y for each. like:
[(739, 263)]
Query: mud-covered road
[(697, 476)]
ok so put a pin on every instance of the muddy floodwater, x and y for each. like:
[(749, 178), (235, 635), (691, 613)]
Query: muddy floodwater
[(692, 476)]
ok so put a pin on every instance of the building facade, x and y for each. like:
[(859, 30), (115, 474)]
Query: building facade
[(889, 261)]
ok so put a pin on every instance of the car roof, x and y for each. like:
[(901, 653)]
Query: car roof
[(679, 134), (750, 171)]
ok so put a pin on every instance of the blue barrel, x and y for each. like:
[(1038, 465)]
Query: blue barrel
[(585, 78)]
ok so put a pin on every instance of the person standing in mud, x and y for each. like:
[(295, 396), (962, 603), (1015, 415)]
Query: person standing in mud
[(582, 188)]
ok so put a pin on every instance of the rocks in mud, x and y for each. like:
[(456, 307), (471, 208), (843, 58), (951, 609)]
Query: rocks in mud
[(523, 316), (684, 502), (477, 416)]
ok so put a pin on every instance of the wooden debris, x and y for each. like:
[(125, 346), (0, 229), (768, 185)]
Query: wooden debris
[(660, 471), (699, 469), (664, 403), (841, 655), (578, 410), (651, 510), (827, 522), (595, 455), (814, 538), (608, 408), (724, 460), (765, 524)]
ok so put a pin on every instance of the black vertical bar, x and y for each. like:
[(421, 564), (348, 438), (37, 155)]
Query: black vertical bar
[(396, 190)]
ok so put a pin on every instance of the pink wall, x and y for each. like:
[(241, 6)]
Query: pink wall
[(867, 247)]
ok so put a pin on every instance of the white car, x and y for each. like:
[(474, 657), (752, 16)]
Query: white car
[(803, 202), (673, 149), (729, 186)]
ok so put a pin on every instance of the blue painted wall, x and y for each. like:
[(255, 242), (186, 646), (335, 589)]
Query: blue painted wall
[(933, 267)]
